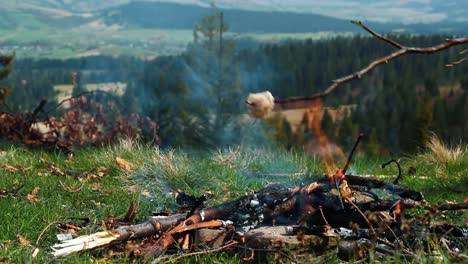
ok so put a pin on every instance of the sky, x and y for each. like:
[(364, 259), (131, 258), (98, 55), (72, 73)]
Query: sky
[(397, 11)]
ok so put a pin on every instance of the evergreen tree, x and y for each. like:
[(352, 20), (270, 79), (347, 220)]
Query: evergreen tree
[(78, 86), (211, 57), (130, 99)]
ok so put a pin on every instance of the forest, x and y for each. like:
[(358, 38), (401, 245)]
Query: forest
[(197, 97)]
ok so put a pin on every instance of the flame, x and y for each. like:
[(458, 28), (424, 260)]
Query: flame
[(314, 123), (397, 209)]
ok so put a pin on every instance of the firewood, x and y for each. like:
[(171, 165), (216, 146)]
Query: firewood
[(149, 228)]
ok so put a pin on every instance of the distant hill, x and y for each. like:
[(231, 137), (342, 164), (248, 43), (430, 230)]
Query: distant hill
[(144, 14), (70, 28), (37, 14), (178, 16)]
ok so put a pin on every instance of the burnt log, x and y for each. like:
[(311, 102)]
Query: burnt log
[(372, 183)]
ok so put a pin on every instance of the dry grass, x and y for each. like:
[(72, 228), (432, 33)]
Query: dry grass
[(233, 158), (444, 159), (442, 154)]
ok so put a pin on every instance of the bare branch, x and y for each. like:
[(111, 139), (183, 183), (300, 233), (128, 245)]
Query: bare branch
[(55, 107), (402, 50), (456, 62), (377, 35)]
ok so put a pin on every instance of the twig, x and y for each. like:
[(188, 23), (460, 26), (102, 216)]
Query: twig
[(398, 178), (362, 214), (208, 251), (450, 207), (39, 109), (453, 254), (69, 189), (251, 257), (387, 251), (392, 245), (132, 211), (377, 35), (348, 161), (280, 174), (323, 216), (456, 62), (44, 230), (73, 97), (402, 50)]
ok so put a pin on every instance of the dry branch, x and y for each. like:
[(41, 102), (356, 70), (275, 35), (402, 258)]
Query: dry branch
[(402, 50), (278, 205), (149, 228)]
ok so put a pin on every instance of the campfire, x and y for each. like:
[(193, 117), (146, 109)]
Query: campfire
[(345, 215), (342, 215)]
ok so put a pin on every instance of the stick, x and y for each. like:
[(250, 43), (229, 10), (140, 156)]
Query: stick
[(363, 216), (43, 231), (398, 178), (452, 207), (151, 227), (402, 50), (348, 162), (73, 97)]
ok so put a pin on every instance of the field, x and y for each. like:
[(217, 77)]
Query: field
[(64, 91), (99, 39), (91, 185)]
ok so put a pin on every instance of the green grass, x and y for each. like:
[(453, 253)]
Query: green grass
[(157, 175)]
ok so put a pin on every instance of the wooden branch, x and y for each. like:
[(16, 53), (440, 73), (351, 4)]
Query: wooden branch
[(377, 35), (398, 178), (151, 227), (456, 62), (348, 161), (451, 207), (402, 50), (55, 107), (39, 109)]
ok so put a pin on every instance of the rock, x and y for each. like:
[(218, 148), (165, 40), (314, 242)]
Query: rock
[(275, 242)]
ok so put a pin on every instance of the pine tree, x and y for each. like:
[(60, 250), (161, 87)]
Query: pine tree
[(129, 99), (77, 81), (212, 59)]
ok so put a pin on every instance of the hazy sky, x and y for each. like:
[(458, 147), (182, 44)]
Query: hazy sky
[(399, 11)]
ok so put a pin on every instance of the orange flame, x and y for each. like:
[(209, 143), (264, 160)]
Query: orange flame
[(314, 123), (397, 209)]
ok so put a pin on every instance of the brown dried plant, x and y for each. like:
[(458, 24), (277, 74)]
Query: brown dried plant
[(86, 122)]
